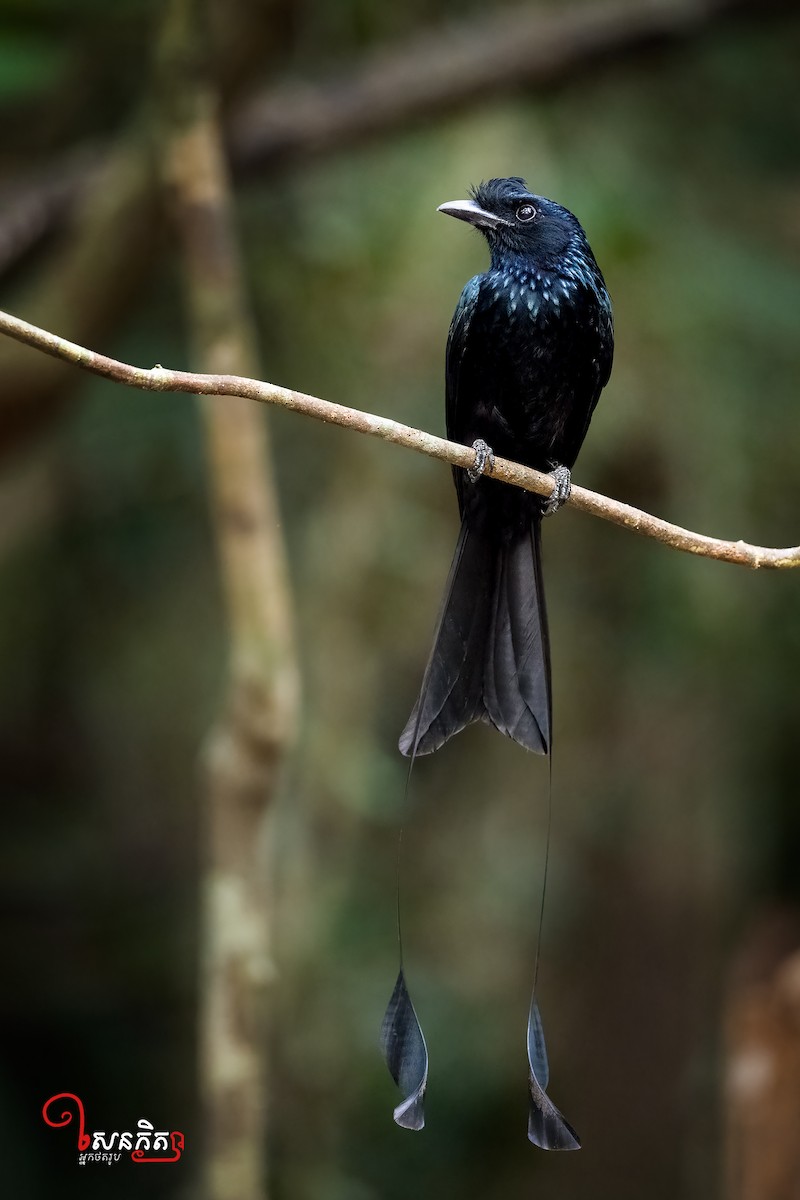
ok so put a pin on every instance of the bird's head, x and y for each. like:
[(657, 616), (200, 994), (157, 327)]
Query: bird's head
[(518, 224)]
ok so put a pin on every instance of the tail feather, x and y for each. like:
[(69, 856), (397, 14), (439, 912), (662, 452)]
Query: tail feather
[(490, 656), (450, 697), (518, 700)]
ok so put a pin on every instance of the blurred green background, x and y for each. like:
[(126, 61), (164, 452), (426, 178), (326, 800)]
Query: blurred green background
[(676, 701)]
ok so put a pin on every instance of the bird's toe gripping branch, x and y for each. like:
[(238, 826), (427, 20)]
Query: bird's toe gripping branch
[(562, 488), (483, 458)]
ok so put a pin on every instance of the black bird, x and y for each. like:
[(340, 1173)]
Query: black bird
[(529, 351)]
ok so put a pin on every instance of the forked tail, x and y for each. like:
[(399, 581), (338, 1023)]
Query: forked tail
[(491, 657), (490, 662)]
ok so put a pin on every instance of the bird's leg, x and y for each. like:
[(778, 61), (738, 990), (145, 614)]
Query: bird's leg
[(483, 458), (561, 489)]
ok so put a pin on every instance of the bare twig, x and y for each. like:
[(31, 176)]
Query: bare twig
[(246, 747), (159, 379)]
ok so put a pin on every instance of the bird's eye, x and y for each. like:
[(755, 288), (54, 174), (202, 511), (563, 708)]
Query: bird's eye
[(526, 212)]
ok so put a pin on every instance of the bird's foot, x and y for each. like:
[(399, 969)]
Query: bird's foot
[(483, 458), (561, 490)]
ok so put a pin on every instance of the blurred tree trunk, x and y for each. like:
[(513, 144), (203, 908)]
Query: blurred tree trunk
[(247, 745), (762, 1092)]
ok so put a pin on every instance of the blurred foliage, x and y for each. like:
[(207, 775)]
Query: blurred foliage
[(676, 701), (68, 71)]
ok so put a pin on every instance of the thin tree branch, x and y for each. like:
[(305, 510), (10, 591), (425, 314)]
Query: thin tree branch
[(159, 379)]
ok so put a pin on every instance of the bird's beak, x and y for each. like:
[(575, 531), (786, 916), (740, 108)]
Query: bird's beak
[(468, 210)]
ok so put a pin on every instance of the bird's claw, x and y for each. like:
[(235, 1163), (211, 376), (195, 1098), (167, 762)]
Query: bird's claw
[(561, 490), (483, 458)]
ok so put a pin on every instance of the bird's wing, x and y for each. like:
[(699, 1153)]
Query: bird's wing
[(457, 342), (600, 370), (456, 347), (606, 356)]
